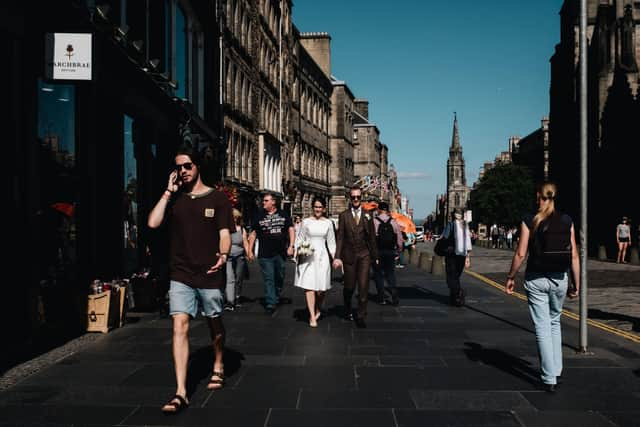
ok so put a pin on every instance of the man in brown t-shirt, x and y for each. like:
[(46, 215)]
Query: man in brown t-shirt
[(199, 219)]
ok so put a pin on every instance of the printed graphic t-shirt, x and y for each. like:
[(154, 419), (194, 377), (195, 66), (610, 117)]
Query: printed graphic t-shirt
[(195, 223), (272, 232)]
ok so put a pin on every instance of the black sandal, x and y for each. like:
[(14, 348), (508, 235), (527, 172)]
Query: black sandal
[(177, 406), (216, 383)]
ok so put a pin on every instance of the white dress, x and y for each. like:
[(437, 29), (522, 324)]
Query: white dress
[(314, 272)]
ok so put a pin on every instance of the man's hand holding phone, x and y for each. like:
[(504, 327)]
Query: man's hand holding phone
[(174, 182)]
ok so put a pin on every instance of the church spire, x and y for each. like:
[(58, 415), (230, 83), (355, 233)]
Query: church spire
[(455, 141)]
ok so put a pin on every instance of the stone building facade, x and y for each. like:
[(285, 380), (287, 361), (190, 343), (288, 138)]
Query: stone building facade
[(341, 145), (311, 108), (257, 46), (457, 189), (289, 126), (369, 155), (532, 151), (613, 109)]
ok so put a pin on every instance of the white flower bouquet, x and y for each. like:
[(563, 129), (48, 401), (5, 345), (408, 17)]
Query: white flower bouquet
[(305, 250)]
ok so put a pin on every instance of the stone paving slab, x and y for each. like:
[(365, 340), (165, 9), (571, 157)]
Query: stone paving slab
[(421, 363)]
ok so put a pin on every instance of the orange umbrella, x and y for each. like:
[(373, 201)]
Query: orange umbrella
[(64, 208), (369, 206), (404, 221)]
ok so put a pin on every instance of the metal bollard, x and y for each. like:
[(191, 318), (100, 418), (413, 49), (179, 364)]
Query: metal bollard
[(425, 261), (602, 253), (437, 266), (633, 257), (415, 257)]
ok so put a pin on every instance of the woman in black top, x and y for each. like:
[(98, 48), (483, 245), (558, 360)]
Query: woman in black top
[(546, 280)]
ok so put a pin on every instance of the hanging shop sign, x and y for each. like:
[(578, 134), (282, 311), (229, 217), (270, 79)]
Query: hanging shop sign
[(68, 56)]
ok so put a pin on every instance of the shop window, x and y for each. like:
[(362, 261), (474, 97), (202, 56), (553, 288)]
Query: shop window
[(130, 199), (56, 219)]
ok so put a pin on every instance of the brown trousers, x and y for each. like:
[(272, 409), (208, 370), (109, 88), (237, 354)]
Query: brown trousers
[(357, 273)]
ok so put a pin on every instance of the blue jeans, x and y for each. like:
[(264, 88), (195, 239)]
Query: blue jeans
[(273, 276), (545, 294), (235, 278)]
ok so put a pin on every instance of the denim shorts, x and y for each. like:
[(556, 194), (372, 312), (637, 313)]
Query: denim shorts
[(185, 299)]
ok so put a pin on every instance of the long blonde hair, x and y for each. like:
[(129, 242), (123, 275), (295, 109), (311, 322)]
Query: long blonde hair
[(547, 190), (237, 216)]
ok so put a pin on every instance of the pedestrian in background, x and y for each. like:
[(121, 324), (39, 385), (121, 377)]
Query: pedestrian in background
[(313, 271), (623, 237), (402, 261), (275, 234), (389, 240), (456, 262), (200, 221), (544, 236), (236, 263), (494, 233)]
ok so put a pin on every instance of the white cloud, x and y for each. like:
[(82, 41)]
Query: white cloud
[(414, 175)]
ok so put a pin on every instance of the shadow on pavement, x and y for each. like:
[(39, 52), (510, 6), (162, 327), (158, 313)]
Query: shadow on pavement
[(515, 325), (201, 365), (503, 361), (421, 293), (605, 315)]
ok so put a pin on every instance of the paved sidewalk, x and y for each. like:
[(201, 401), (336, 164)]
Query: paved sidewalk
[(422, 363), (613, 289)]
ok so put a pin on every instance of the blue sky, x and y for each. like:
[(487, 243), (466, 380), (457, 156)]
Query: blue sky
[(419, 61)]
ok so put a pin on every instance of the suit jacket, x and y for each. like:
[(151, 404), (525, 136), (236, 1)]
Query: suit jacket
[(349, 233)]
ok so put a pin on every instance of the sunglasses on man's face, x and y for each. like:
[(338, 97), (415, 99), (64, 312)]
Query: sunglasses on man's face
[(187, 166), (356, 197)]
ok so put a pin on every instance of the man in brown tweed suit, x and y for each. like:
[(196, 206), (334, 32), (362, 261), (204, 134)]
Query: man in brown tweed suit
[(356, 250)]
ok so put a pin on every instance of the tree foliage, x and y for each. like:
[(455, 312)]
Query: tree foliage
[(504, 194)]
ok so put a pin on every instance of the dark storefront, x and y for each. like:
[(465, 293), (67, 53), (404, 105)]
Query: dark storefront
[(90, 157)]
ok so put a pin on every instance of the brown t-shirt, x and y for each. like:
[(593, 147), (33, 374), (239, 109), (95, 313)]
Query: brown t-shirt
[(195, 222)]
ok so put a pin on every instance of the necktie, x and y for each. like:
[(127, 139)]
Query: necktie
[(357, 217)]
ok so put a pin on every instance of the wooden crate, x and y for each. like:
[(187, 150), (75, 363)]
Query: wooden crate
[(103, 311)]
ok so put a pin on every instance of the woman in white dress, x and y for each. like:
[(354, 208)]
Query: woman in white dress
[(313, 272)]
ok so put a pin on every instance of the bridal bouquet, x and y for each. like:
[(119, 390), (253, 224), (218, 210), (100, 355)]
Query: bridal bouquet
[(305, 249)]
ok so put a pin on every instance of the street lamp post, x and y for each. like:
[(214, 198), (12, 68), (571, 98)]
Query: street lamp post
[(583, 177)]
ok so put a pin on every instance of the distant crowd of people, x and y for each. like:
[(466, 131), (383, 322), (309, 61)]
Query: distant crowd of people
[(507, 237), (503, 237)]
